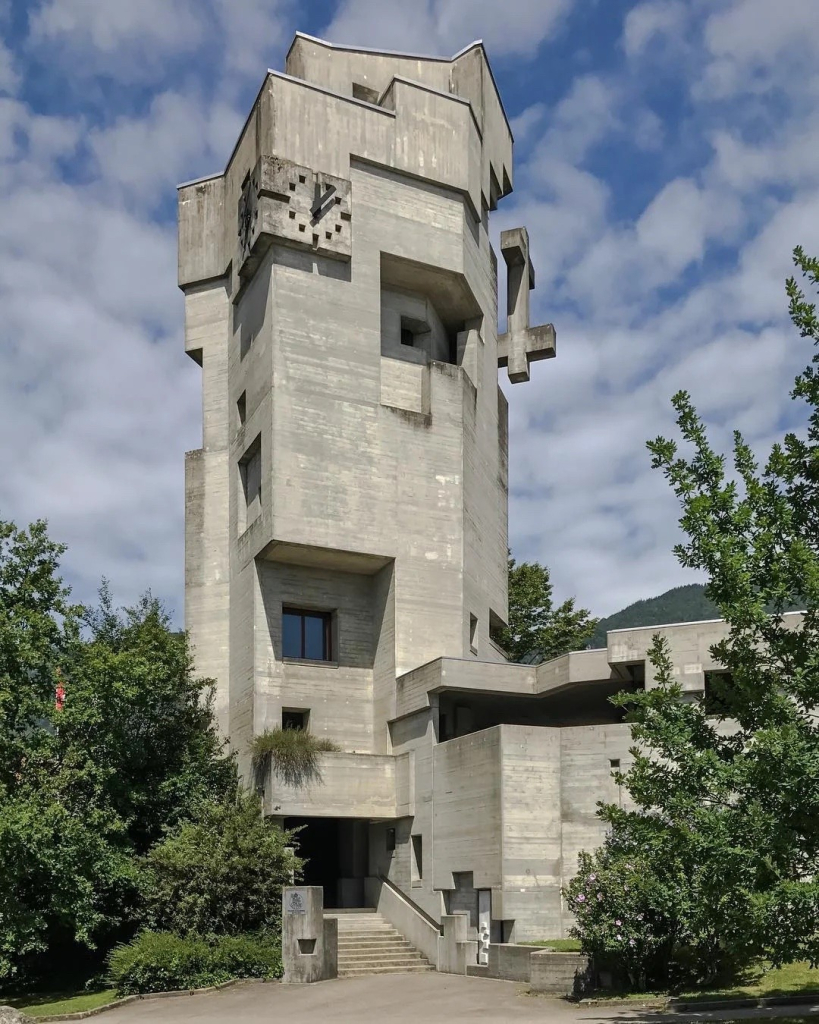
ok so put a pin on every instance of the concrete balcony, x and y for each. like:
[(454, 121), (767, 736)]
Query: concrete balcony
[(347, 786)]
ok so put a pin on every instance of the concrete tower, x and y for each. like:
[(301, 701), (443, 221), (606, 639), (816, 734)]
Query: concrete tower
[(346, 516)]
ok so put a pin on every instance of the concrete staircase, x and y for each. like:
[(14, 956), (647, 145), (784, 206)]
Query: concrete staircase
[(367, 944)]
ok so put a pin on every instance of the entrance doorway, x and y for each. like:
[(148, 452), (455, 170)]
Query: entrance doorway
[(336, 855)]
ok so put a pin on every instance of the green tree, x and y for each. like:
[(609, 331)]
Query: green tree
[(222, 873), (106, 740), (535, 625), (739, 800)]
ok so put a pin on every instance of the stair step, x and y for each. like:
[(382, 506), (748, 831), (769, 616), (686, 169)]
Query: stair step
[(348, 911), (382, 958), (373, 948), (367, 944), (358, 972)]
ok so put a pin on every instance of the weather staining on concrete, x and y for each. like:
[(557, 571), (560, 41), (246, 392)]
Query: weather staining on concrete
[(346, 515)]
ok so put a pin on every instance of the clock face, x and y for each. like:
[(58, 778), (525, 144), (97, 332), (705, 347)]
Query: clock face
[(293, 205), (324, 201), (248, 213)]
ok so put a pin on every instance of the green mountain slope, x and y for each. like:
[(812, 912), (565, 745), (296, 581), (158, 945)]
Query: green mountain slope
[(680, 604)]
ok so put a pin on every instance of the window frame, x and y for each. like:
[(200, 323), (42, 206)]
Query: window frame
[(327, 633)]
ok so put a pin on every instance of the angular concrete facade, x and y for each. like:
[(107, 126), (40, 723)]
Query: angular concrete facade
[(346, 516)]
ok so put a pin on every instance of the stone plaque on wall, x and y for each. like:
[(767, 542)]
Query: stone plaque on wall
[(295, 901)]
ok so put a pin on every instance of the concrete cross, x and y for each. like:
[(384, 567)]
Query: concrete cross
[(521, 344)]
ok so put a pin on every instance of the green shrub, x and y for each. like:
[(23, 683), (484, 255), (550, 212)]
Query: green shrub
[(292, 753), (164, 962), (221, 874)]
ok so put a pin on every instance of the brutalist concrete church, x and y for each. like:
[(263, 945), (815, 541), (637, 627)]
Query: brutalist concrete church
[(346, 516)]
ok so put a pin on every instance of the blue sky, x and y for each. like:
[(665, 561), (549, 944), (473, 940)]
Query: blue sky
[(665, 168)]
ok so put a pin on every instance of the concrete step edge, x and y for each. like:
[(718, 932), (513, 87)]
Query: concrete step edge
[(375, 948), (379, 957), (362, 972)]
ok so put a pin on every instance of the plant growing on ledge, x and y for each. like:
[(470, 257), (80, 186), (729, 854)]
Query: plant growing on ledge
[(291, 753)]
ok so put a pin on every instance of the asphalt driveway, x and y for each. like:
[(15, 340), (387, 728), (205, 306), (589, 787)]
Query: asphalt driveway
[(396, 999)]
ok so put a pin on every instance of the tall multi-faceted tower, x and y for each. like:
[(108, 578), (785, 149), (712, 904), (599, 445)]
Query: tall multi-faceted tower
[(346, 516)]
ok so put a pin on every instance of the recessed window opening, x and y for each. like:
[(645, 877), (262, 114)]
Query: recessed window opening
[(414, 333), (306, 635), (473, 633), (241, 407), (390, 840), (614, 764), (295, 719), (365, 93), (417, 859)]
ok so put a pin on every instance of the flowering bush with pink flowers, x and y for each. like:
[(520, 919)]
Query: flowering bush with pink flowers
[(628, 918), (650, 909)]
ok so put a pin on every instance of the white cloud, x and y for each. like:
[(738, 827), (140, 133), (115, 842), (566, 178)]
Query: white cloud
[(178, 138), (132, 41), (646, 21), (127, 40), (442, 27), (525, 123), (754, 45), (9, 73)]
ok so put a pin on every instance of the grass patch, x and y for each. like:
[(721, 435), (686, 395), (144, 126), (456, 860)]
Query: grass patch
[(293, 755), (558, 945), (761, 980), (41, 1005)]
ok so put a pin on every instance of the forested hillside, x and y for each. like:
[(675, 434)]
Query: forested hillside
[(680, 604)]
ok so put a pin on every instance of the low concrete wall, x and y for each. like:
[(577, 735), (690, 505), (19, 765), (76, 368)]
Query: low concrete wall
[(404, 917), (560, 974), (509, 962)]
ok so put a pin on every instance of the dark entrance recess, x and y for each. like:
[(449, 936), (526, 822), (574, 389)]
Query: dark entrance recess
[(336, 851), (318, 844)]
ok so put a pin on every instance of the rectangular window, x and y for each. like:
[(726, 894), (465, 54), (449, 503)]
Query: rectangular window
[(295, 719), (717, 684), (306, 635), (417, 860), (390, 840), (364, 92), (614, 764)]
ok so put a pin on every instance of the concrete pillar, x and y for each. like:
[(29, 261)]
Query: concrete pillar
[(309, 942), (455, 951)]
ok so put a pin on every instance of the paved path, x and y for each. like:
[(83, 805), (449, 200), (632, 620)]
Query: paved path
[(398, 999)]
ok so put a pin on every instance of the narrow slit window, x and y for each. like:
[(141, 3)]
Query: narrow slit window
[(417, 860)]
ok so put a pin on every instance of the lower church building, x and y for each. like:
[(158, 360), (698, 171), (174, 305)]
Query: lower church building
[(346, 515)]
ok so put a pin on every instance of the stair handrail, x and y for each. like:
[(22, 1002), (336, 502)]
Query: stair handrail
[(414, 906)]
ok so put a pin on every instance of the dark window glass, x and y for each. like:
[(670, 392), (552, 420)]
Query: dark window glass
[(306, 635), (717, 696), (390, 840), (291, 635), (314, 646)]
